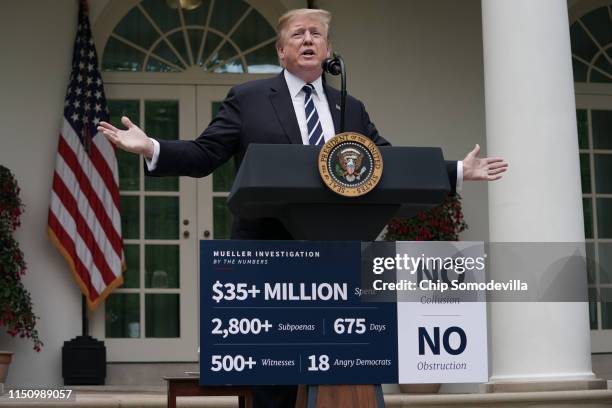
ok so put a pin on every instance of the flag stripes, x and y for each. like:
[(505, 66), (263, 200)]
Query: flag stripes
[(84, 218)]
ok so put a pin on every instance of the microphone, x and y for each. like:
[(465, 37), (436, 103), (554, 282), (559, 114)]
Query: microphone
[(332, 66)]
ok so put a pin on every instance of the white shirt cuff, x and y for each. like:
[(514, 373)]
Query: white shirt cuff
[(459, 184), (152, 164)]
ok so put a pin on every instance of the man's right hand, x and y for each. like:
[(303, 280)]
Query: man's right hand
[(133, 139)]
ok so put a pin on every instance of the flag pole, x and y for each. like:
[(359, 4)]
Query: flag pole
[(84, 316)]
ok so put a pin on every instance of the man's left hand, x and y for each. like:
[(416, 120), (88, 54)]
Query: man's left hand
[(487, 168)]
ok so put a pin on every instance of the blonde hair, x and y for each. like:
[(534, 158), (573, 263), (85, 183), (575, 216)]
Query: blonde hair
[(323, 16)]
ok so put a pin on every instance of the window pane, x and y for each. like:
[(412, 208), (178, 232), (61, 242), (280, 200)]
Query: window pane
[(603, 64), (129, 163), (162, 315), (122, 315), (263, 60), (223, 177), (178, 42), (602, 129), (606, 309), (226, 14), (135, 28), (583, 128), (119, 56), (587, 209), (580, 70), (253, 30), (233, 67), (605, 263), (212, 41), (599, 24), (164, 51), (165, 17), (593, 310), (222, 218), (582, 45), (604, 217), (161, 119), (603, 173), (130, 217), (162, 266), (595, 76), (129, 169), (226, 52), (161, 217), (155, 65), (131, 277), (162, 122), (197, 16), (195, 40), (591, 264), (585, 173)]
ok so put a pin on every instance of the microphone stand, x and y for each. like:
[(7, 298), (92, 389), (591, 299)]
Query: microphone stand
[(335, 66), (342, 93)]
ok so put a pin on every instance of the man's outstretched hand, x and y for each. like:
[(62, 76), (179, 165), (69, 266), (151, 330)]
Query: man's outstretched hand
[(487, 168), (133, 139)]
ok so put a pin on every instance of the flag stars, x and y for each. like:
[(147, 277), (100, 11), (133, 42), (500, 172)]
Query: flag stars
[(85, 105)]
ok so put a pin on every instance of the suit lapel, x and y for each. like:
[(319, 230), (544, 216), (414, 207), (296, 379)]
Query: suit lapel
[(283, 107), (333, 100)]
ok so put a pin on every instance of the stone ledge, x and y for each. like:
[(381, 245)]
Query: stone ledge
[(540, 386), (546, 399)]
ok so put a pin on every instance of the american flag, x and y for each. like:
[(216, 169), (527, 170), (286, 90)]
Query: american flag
[(84, 221)]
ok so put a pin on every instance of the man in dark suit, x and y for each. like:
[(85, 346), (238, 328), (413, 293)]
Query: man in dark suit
[(293, 107)]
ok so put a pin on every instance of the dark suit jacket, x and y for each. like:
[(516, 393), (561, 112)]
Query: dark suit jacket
[(257, 112)]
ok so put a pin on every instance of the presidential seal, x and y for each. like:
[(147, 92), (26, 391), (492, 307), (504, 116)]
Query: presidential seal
[(350, 164)]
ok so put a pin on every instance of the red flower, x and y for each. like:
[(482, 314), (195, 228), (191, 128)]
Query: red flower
[(444, 222)]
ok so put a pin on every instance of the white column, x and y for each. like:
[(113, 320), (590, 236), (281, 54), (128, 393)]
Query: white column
[(531, 122)]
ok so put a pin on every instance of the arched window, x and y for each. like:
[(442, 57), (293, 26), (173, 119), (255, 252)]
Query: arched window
[(179, 35), (591, 37)]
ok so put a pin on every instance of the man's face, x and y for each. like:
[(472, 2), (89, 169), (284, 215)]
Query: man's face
[(303, 47)]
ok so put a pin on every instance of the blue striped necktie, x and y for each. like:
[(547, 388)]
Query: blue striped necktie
[(315, 131)]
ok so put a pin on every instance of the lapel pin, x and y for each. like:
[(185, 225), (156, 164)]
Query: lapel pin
[(338, 107)]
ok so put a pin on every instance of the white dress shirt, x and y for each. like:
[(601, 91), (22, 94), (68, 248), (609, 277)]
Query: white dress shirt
[(298, 95)]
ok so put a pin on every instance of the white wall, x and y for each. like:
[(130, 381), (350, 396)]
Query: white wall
[(36, 42), (417, 66), (430, 94)]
